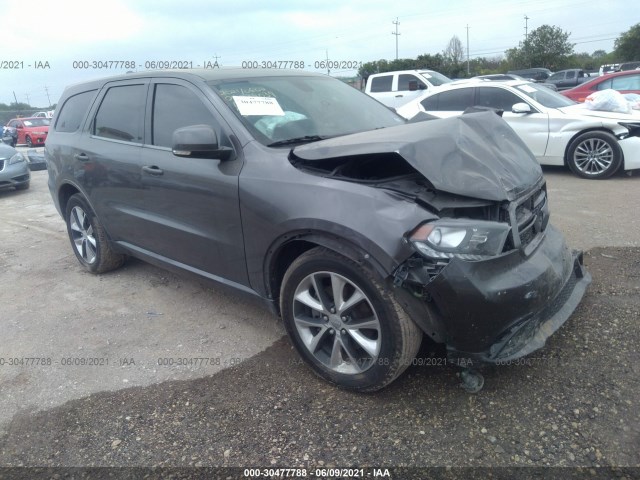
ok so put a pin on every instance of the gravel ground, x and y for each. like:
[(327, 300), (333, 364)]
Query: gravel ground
[(573, 404)]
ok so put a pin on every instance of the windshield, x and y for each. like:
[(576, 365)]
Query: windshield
[(36, 122), (436, 79), (544, 96), (279, 109)]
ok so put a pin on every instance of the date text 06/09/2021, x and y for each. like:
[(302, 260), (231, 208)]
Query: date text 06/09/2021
[(322, 472)]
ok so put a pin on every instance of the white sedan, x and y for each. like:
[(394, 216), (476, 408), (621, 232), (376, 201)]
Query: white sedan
[(594, 144)]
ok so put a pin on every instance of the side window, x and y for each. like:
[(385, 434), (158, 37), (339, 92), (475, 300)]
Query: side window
[(73, 111), (121, 114), (455, 100), (627, 82), (430, 104), (604, 85), (381, 84), (571, 74), (496, 98), (13, 123), (175, 106), (557, 76), (404, 79)]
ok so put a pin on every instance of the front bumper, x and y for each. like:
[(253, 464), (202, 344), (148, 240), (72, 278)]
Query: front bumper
[(502, 308), (631, 150), (14, 175)]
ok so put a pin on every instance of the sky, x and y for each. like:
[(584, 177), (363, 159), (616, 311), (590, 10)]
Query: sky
[(61, 37)]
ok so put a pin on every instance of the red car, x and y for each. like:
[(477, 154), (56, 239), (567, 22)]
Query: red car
[(624, 82), (32, 131)]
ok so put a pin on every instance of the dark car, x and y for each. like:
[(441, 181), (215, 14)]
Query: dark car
[(537, 74), (569, 78), (503, 77), (362, 231), (14, 171)]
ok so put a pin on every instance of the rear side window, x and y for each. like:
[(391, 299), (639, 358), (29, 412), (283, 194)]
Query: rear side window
[(121, 114), (73, 111), (382, 84), (453, 100), (627, 82), (174, 107)]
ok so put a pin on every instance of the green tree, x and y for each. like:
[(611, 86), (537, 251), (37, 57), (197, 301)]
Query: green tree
[(546, 46), (627, 45)]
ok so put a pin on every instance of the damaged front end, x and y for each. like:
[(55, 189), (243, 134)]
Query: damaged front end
[(492, 291), (489, 277)]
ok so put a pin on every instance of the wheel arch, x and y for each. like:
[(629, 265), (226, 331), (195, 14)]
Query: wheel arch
[(587, 130), (65, 192), (288, 247)]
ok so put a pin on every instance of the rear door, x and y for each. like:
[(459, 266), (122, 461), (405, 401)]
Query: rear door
[(107, 156)]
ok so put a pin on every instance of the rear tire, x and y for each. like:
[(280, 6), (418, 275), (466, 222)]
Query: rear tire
[(344, 323), (88, 238)]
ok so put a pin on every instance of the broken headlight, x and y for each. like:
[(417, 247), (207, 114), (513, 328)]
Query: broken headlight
[(465, 239)]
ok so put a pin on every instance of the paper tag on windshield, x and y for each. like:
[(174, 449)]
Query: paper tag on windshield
[(258, 106)]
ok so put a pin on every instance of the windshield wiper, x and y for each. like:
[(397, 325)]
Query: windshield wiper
[(291, 141)]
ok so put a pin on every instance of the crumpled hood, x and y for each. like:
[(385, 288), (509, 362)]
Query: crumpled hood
[(476, 155)]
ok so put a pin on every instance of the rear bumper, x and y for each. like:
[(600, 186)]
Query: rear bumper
[(503, 308)]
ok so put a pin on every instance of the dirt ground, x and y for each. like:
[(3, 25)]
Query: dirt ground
[(108, 388)]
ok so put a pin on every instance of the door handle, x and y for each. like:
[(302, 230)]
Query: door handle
[(152, 170), (83, 157), (399, 96)]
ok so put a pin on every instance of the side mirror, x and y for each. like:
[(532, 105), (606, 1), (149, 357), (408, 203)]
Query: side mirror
[(19, 127), (521, 108), (413, 85), (199, 141)]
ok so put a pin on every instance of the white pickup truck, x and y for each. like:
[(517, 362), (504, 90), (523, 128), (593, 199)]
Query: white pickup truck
[(394, 89)]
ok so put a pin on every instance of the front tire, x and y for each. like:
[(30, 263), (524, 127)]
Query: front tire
[(594, 155), (88, 238), (29, 141), (344, 323)]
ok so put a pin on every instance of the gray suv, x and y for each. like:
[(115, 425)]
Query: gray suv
[(361, 231)]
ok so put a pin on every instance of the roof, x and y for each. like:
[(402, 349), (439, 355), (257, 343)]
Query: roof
[(203, 74)]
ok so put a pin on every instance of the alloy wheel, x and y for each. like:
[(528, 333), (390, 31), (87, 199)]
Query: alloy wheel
[(82, 235), (337, 322)]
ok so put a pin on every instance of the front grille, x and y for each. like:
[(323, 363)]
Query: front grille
[(528, 217)]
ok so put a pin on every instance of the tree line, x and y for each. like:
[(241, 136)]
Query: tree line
[(547, 46)]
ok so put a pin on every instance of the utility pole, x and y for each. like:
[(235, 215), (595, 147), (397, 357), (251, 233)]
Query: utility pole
[(28, 102), (396, 33), (326, 53), (468, 50), (46, 89), (526, 38)]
